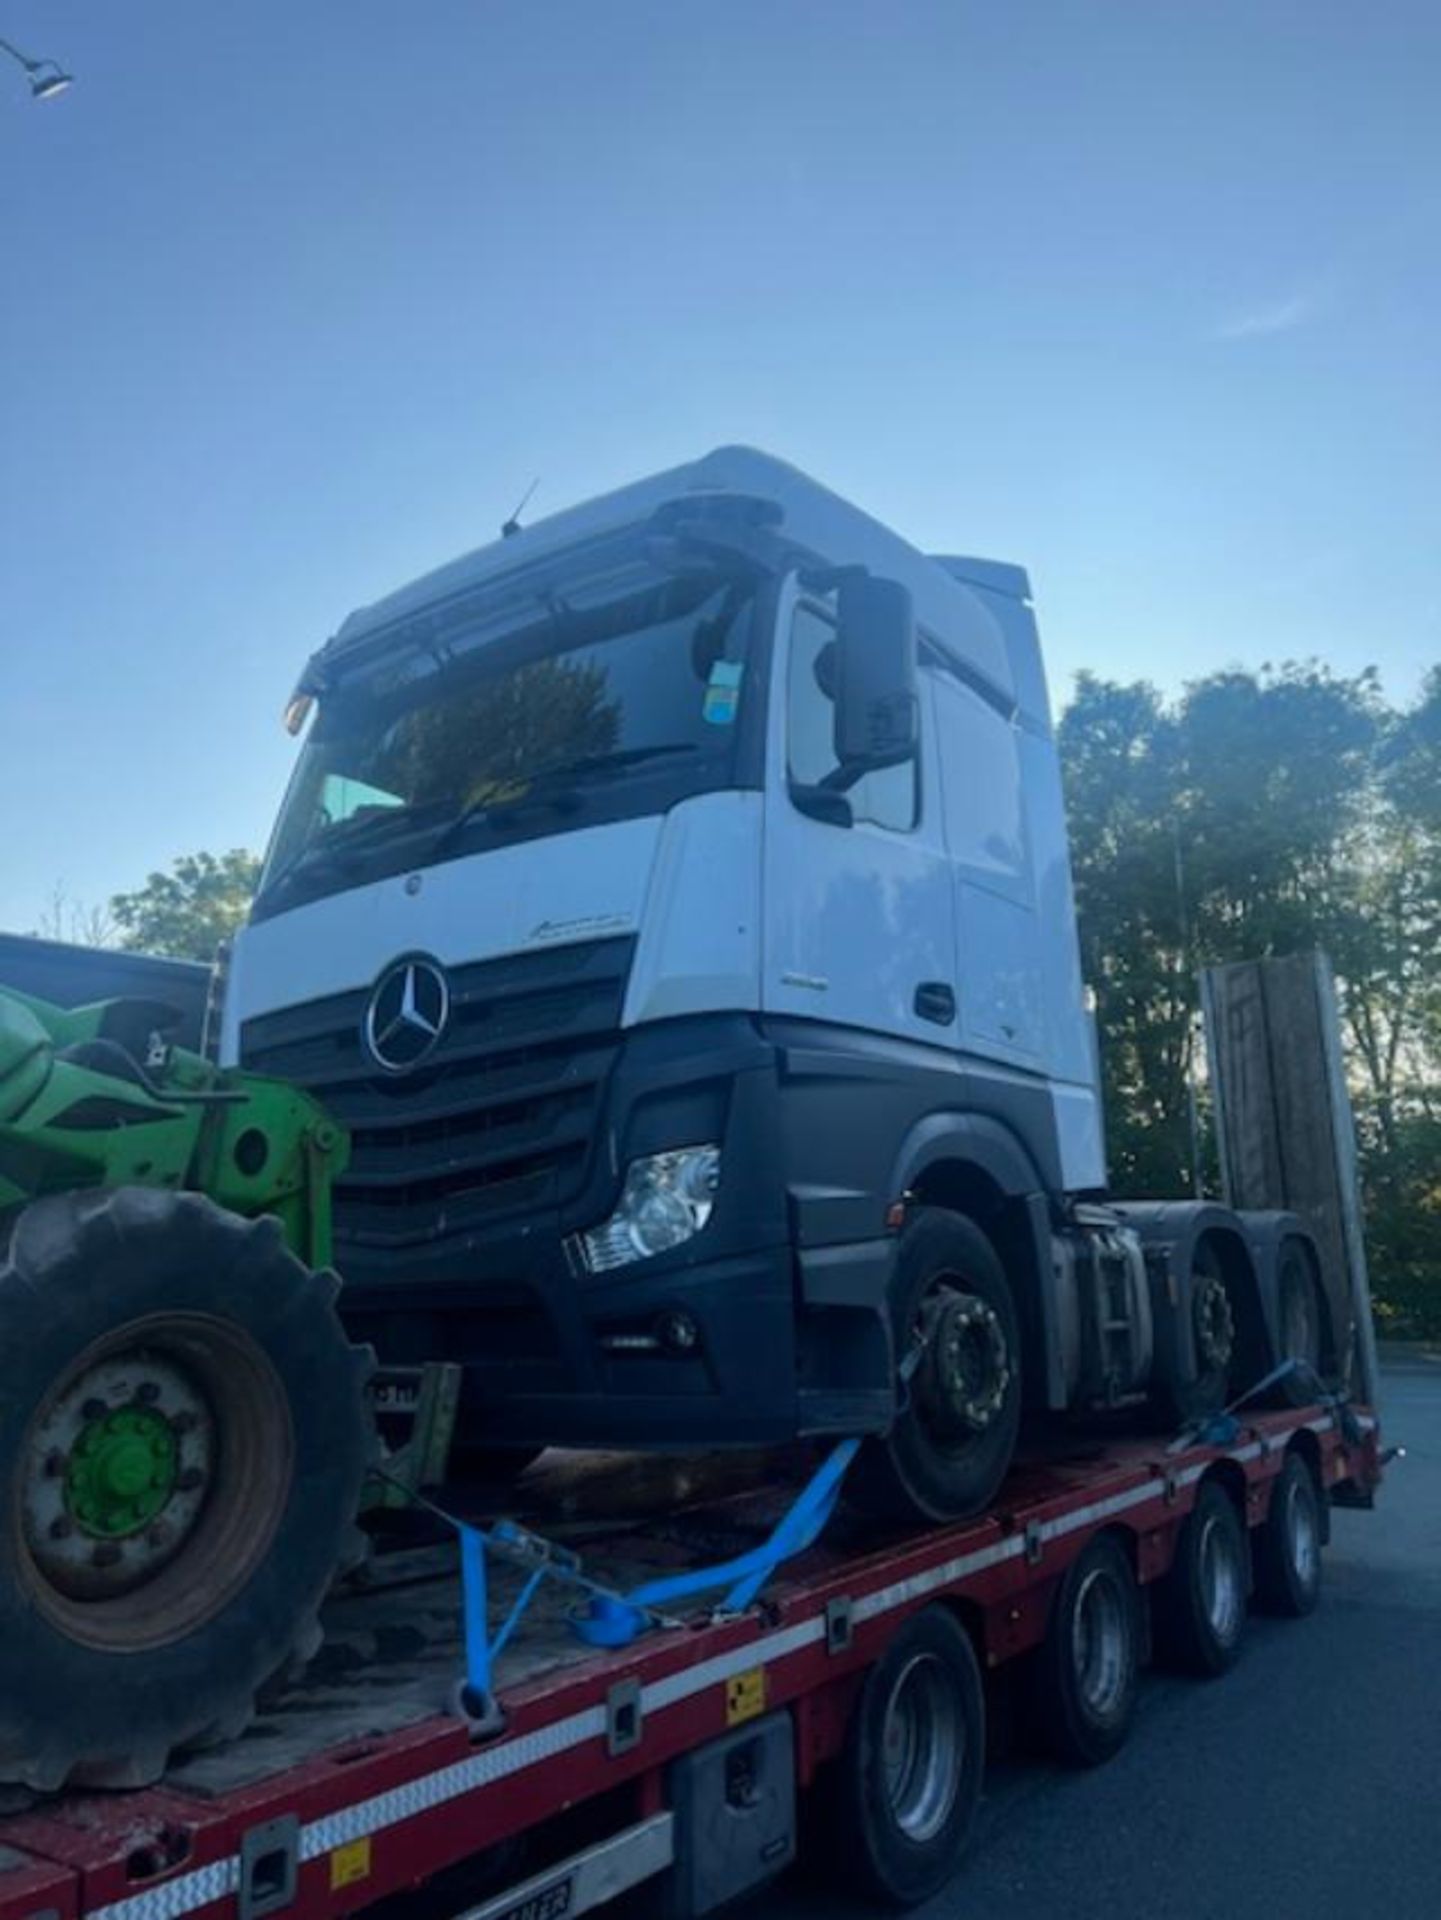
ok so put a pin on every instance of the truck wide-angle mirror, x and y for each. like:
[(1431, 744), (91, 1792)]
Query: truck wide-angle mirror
[(877, 714)]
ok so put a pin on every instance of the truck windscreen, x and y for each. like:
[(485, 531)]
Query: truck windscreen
[(583, 711)]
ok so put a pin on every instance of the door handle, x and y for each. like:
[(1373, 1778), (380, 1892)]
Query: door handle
[(935, 1001)]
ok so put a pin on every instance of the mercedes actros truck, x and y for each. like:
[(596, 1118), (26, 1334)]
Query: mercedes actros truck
[(673, 899)]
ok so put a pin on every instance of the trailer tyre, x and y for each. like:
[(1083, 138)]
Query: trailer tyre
[(1201, 1602), (1288, 1543), (183, 1437), (952, 1442), (1086, 1675), (912, 1767)]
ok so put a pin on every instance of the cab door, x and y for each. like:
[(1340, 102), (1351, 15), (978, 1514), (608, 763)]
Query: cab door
[(998, 943), (859, 924)]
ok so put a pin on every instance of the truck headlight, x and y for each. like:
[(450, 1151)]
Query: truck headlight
[(667, 1197)]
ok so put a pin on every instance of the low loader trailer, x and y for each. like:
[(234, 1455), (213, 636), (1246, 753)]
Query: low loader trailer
[(845, 1690)]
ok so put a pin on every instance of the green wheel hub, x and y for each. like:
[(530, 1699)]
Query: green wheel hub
[(119, 1469), (121, 1472)]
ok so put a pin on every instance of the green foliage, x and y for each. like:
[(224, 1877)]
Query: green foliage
[(187, 912), (1259, 814)]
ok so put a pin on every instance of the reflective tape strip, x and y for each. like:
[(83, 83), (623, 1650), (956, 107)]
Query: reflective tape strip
[(189, 1891), (917, 1585), (182, 1895), (449, 1783)]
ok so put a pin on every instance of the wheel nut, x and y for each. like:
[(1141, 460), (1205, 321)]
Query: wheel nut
[(94, 1410), (189, 1480), (54, 1464), (60, 1528), (183, 1422), (158, 1536), (107, 1554), (147, 1393)]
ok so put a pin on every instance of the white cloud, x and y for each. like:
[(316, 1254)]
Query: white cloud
[(1280, 317)]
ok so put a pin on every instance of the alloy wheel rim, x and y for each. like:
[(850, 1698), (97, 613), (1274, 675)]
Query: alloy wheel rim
[(922, 1748), (1302, 1535), (1222, 1589), (1100, 1644)]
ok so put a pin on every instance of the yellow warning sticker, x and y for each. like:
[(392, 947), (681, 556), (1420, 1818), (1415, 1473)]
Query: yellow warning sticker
[(350, 1863), (745, 1696)]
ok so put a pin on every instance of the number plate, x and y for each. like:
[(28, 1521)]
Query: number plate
[(546, 1903)]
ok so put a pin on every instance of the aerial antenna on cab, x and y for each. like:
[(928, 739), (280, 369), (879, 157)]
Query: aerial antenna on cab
[(511, 527)]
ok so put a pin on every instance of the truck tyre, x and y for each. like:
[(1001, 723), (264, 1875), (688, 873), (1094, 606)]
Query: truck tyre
[(1182, 1403), (1086, 1674), (1201, 1602), (1299, 1330), (910, 1775), (1288, 1543), (953, 1439), (183, 1437)]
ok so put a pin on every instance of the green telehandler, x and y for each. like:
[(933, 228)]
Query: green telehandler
[(184, 1428)]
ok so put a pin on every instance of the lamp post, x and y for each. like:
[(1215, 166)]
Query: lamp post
[(46, 77)]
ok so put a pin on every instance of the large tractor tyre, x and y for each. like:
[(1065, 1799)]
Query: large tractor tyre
[(954, 1437), (183, 1438)]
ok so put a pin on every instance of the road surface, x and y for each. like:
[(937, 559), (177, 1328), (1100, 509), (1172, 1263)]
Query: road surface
[(1304, 1784)]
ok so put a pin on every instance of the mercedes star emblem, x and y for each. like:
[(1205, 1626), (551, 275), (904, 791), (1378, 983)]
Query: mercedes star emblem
[(407, 1014)]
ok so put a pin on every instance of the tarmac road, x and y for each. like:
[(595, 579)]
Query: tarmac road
[(1306, 1783)]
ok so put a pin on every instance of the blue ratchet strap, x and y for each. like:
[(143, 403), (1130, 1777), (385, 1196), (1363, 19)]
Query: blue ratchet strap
[(1222, 1429), (614, 1620)]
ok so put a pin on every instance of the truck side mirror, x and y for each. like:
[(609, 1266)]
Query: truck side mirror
[(877, 715)]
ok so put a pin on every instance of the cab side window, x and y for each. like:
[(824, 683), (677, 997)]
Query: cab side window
[(885, 797)]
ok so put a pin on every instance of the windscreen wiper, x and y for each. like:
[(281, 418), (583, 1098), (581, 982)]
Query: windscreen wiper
[(339, 846)]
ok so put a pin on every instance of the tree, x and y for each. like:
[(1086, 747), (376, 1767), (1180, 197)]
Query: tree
[(187, 912), (74, 922), (1265, 814)]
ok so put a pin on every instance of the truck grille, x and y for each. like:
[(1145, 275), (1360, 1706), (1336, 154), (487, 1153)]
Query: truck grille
[(498, 1120)]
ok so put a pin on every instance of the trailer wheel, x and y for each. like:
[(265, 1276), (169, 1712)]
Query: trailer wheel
[(952, 1442), (912, 1766), (1086, 1674), (1201, 1602), (1288, 1543)]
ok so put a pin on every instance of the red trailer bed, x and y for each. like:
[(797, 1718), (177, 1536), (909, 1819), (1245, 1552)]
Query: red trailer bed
[(357, 1784)]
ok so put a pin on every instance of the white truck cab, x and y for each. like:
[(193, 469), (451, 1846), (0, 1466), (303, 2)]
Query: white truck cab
[(673, 900)]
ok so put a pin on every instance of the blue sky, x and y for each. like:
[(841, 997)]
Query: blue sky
[(295, 301)]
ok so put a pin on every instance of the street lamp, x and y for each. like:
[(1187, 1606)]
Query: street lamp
[(46, 77)]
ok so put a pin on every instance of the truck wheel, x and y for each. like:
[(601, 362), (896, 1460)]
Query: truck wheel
[(912, 1766), (183, 1437), (1299, 1314), (1180, 1403), (1201, 1603), (953, 1440), (1288, 1543), (1086, 1674)]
